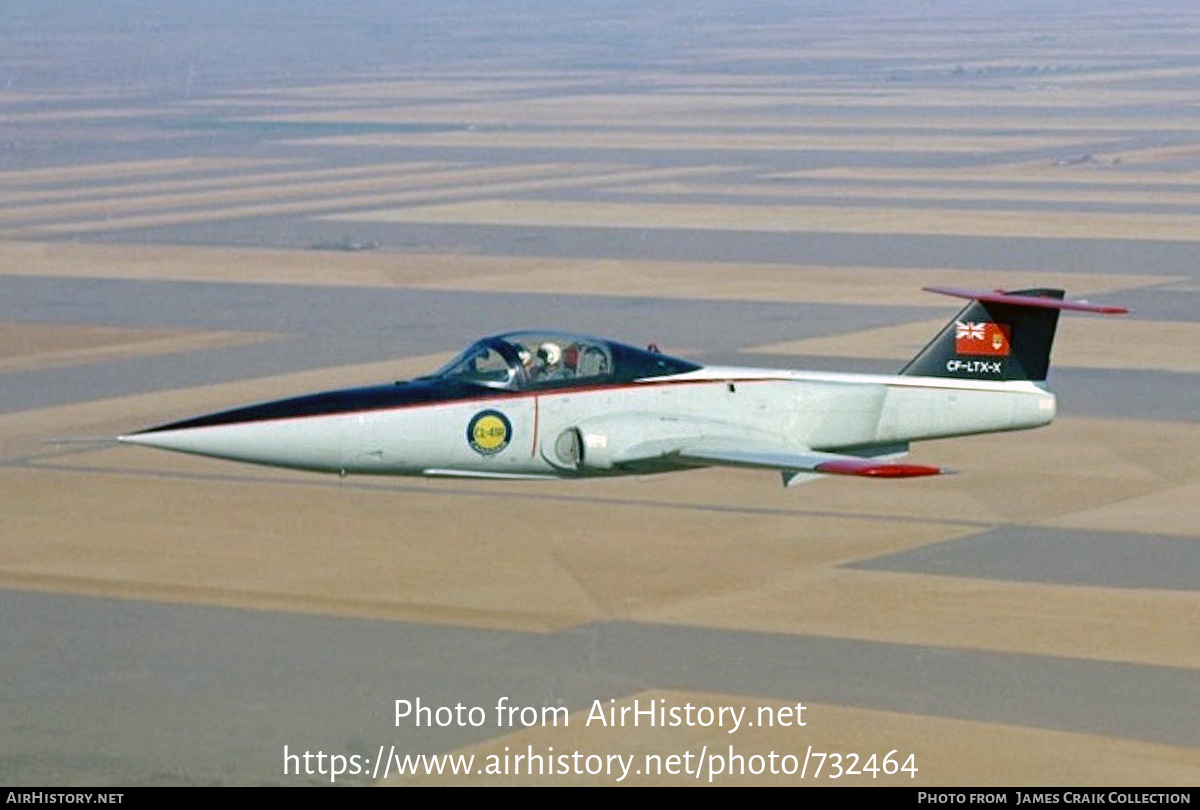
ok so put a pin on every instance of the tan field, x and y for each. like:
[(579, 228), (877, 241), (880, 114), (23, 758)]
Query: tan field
[(791, 219), (1030, 620), (626, 550)]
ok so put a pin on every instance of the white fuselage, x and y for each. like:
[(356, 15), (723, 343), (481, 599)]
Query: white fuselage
[(791, 410)]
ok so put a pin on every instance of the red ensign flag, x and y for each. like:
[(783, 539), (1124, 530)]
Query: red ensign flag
[(986, 338)]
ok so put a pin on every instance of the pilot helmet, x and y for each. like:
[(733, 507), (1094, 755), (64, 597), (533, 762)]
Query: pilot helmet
[(549, 353)]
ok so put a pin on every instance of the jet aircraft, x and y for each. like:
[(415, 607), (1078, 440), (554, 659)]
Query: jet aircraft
[(536, 405)]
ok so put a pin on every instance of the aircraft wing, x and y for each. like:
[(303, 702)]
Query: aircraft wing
[(793, 465), (630, 441)]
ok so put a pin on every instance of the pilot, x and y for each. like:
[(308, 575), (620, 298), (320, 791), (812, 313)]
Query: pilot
[(527, 360), (549, 362)]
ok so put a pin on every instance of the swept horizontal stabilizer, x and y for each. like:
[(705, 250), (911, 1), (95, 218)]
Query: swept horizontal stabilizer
[(999, 335), (1022, 300)]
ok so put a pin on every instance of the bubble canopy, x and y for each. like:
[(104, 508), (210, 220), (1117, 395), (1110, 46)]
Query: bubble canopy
[(520, 360)]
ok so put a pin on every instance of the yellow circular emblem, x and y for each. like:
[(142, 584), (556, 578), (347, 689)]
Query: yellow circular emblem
[(489, 432)]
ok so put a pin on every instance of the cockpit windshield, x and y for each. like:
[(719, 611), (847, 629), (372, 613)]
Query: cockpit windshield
[(521, 360), (481, 364)]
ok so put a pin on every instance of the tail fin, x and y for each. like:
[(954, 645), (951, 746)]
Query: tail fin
[(998, 336)]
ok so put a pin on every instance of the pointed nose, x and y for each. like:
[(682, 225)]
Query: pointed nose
[(307, 444), (166, 440), (200, 441)]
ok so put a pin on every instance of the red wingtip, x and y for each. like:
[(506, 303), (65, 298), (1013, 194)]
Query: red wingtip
[(875, 469)]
